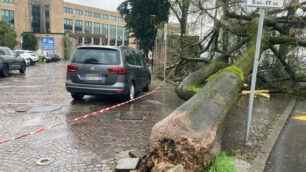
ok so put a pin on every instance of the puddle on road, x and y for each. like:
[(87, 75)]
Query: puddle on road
[(155, 102), (131, 116), (44, 109)]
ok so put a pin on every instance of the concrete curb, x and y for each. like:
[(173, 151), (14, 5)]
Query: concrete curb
[(262, 156)]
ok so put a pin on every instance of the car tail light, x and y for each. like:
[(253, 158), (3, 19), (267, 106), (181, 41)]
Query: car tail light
[(72, 68), (117, 70)]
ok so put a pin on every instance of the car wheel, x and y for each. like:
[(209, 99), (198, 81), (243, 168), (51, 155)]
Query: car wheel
[(146, 89), (23, 68), (5, 70), (44, 60), (77, 96), (131, 94)]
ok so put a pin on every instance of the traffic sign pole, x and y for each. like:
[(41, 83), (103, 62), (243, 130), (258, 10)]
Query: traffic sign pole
[(165, 58), (254, 75)]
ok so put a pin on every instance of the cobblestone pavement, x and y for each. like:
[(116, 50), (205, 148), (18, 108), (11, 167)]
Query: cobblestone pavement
[(87, 145)]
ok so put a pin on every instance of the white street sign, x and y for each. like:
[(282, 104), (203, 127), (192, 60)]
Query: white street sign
[(265, 3)]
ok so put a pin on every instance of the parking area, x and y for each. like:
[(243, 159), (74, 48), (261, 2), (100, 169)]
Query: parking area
[(39, 99)]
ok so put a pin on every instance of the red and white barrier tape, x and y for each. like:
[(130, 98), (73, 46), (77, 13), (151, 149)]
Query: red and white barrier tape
[(88, 115), (80, 118)]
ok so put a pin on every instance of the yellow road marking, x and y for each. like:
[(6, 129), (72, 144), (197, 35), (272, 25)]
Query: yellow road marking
[(300, 112), (303, 118)]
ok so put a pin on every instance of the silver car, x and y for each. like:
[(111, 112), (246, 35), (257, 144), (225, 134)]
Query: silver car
[(105, 70), (10, 61)]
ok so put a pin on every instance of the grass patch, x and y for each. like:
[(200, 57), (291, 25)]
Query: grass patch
[(221, 163), (275, 120), (40, 62)]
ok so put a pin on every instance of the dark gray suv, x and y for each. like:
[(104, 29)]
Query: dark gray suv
[(105, 70)]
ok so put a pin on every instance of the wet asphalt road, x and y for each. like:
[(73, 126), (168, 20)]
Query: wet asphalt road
[(289, 153), (86, 145)]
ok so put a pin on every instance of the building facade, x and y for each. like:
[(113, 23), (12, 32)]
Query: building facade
[(54, 18)]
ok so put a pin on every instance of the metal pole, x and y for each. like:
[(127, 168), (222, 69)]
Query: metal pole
[(165, 59), (254, 75)]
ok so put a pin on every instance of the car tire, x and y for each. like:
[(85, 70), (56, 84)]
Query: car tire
[(5, 70), (147, 88), (44, 60), (23, 68), (77, 96), (131, 94)]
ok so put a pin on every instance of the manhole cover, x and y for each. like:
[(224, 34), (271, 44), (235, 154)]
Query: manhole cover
[(131, 116), (44, 161), (42, 109)]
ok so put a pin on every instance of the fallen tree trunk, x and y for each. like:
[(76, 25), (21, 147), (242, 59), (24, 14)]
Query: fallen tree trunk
[(194, 81), (188, 135)]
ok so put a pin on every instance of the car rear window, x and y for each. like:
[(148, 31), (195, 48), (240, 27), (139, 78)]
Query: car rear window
[(96, 56)]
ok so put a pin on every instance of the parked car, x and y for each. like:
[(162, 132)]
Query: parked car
[(47, 56), (29, 56), (105, 70), (42, 55), (10, 61)]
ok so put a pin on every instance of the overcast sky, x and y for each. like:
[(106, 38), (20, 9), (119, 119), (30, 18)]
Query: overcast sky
[(103, 4)]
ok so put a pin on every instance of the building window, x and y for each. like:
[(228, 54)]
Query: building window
[(7, 1), (105, 33), (126, 37), (119, 35), (47, 18), (96, 41), (88, 13), (80, 40), (87, 27), (68, 10), (87, 40), (112, 35), (119, 19), (78, 26), (96, 28), (68, 25), (35, 17), (113, 18), (8, 16), (105, 17), (97, 15), (78, 12)]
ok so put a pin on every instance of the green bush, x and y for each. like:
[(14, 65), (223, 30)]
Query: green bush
[(29, 41), (67, 47), (221, 163), (7, 35)]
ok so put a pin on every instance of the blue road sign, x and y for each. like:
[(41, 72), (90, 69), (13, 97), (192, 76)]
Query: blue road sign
[(47, 43)]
